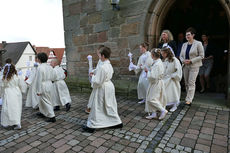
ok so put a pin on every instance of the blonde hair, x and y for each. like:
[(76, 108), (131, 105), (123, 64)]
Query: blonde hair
[(170, 36)]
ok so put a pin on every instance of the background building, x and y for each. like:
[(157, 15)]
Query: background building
[(90, 23)]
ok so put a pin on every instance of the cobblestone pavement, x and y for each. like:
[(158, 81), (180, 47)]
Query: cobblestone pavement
[(196, 129)]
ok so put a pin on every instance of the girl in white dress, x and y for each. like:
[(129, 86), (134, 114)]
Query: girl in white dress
[(145, 61), (156, 96), (172, 78), (104, 107), (11, 90)]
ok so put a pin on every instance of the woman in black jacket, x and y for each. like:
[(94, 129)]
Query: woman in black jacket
[(166, 40)]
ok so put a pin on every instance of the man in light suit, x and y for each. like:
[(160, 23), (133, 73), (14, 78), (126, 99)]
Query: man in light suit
[(191, 56)]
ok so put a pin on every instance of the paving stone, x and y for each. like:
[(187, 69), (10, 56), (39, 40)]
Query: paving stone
[(73, 142), (23, 149), (187, 142), (35, 143), (89, 149), (62, 149), (118, 147), (101, 149), (98, 142), (77, 148), (202, 148), (174, 151)]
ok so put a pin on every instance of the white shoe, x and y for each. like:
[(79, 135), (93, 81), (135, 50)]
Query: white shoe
[(153, 116), (163, 114), (173, 108), (141, 102), (18, 127)]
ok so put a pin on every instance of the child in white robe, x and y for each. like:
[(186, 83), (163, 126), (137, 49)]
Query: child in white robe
[(87, 110), (156, 96), (61, 96), (11, 90), (32, 98), (172, 78), (44, 87), (145, 61), (104, 107)]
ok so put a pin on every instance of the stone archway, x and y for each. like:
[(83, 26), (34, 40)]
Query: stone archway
[(157, 13)]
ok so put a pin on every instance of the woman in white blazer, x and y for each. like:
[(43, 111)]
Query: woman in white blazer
[(191, 56)]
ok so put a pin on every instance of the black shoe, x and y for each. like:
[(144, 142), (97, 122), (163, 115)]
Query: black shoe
[(52, 119), (40, 115), (87, 129), (67, 106), (119, 126), (56, 108)]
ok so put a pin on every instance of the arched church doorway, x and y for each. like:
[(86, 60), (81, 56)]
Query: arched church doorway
[(210, 16)]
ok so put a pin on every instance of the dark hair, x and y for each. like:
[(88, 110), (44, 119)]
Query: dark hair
[(105, 51), (156, 52), (42, 57), (145, 45), (12, 71), (191, 30), (100, 46), (8, 60), (169, 53)]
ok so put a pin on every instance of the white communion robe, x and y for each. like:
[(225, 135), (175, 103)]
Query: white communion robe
[(104, 107), (95, 72), (45, 76), (11, 93), (61, 94), (156, 96), (172, 78), (32, 98), (145, 61)]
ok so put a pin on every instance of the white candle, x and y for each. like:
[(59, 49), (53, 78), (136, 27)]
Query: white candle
[(89, 57)]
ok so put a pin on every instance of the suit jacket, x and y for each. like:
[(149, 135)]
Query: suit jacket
[(172, 44), (196, 53)]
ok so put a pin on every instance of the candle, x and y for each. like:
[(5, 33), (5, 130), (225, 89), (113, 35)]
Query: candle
[(89, 57)]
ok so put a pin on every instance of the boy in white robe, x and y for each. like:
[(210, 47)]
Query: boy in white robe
[(103, 112), (172, 78), (156, 96), (11, 90), (61, 96), (44, 87), (87, 110), (32, 98), (145, 61)]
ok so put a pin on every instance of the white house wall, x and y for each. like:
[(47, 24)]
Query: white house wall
[(22, 62)]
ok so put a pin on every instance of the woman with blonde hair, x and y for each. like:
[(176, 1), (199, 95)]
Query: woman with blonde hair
[(166, 40), (172, 78)]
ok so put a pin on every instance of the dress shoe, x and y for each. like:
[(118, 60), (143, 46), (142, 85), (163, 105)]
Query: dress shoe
[(52, 119), (87, 129), (40, 115), (67, 107), (56, 108)]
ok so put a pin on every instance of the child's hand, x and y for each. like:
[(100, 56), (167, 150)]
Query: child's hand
[(146, 70), (91, 74)]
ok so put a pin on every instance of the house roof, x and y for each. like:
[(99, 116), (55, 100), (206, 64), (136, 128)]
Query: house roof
[(58, 52), (14, 50)]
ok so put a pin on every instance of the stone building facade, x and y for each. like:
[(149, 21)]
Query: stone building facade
[(89, 23)]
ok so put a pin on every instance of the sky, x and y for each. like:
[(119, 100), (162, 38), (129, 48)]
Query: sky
[(37, 21)]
